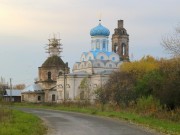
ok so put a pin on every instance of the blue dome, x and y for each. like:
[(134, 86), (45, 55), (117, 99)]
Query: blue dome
[(99, 31)]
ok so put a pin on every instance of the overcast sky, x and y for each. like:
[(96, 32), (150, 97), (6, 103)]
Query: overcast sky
[(26, 25)]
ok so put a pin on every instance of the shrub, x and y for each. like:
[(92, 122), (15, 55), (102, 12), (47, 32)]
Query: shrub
[(149, 83), (148, 105)]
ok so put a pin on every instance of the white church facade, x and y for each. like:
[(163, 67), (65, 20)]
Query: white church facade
[(94, 67), (56, 84)]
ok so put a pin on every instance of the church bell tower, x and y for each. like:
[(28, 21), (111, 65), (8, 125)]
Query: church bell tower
[(120, 42)]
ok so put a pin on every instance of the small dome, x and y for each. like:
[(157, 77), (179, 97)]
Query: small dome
[(99, 31)]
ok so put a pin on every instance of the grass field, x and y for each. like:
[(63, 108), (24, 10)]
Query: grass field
[(164, 126), (20, 123)]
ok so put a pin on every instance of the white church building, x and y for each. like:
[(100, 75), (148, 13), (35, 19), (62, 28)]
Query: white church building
[(95, 66), (56, 84)]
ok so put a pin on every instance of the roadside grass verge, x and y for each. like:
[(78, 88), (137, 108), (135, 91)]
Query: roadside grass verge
[(160, 125), (20, 123)]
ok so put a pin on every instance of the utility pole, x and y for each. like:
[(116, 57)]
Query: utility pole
[(64, 84), (10, 89)]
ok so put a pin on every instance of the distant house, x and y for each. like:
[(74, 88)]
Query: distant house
[(12, 95)]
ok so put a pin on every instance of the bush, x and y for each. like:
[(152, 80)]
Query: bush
[(169, 92), (172, 115), (148, 105), (149, 84), (121, 87)]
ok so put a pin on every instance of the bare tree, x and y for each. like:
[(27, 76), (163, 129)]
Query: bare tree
[(171, 43)]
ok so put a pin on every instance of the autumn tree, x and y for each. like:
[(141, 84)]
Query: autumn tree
[(139, 68), (19, 86), (144, 78), (169, 93)]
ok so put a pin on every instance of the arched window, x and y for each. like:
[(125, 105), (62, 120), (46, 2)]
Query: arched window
[(53, 97), (123, 51), (113, 58), (97, 44), (49, 75), (89, 58), (115, 47), (104, 44), (122, 32), (102, 58), (60, 73), (39, 98), (98, 65), (110, 65)]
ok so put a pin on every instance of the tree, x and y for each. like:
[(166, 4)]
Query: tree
[(103, 95), (141, 67), (121, 86), (85, 89), (171, 42), (149, 84), (169, 93), (19, 86)]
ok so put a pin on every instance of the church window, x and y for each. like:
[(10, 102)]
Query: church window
[(39, 98), (97, 44), (89, 58), (113, 58), (104, 44), (110, 65), (53, 97), (102, 58), (98, 64), (115, 47), (49, 75), (123, 51), (60, 73)]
